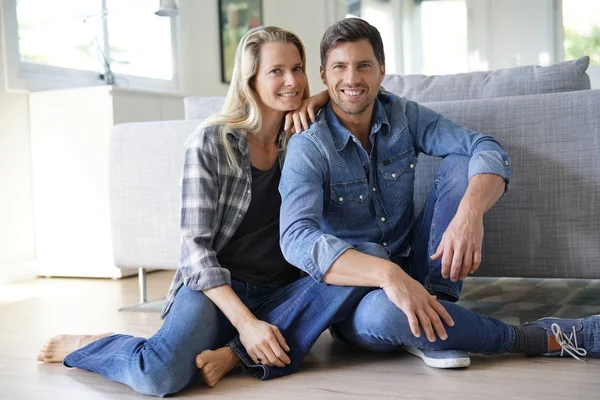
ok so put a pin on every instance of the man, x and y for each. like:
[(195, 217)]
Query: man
[(347, 189)]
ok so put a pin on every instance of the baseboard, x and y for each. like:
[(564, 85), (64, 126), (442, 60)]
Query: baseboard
[(18, 271)]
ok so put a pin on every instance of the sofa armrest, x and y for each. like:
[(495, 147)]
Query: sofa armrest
[(145, 164)]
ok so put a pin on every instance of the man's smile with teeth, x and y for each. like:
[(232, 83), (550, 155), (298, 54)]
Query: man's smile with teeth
[(352, 92)]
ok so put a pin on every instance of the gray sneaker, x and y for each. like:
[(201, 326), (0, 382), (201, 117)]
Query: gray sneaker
[(441, 358), (576, 337)]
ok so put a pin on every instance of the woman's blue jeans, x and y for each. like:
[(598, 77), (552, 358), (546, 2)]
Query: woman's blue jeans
[(378, 325), (165, 363)]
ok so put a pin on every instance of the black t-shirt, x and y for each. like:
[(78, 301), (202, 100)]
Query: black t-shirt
[(253, 254)]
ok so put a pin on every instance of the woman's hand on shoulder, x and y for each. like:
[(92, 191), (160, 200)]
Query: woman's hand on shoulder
[(297, 120)]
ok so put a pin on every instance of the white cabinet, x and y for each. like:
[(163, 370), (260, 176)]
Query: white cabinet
[(69, 138)]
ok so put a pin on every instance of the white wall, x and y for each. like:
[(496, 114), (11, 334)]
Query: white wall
[(16, 208), (200, 39)]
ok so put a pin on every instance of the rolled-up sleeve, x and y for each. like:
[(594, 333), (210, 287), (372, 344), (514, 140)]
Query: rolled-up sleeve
[(303, 179), (438, 136), (199, 197)]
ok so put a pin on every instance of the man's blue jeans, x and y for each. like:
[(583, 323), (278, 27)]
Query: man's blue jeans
[(165, 363), (378, 325)]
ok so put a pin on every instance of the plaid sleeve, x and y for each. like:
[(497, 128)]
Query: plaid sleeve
[(199, 196)]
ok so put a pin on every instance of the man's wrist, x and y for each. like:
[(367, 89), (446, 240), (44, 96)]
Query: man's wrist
[(390, 272)]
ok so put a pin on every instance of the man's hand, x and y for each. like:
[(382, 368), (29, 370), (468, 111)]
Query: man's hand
[(298, 119), (264, 343), (419, 306), (460, 247)]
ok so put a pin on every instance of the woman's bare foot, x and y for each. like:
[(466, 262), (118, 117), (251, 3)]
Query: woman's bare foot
[(57, 348), (215, 364)]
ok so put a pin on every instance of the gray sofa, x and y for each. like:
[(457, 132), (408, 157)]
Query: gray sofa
[(547, 225)]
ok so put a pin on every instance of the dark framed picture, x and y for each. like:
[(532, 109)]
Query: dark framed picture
[(236, 17)]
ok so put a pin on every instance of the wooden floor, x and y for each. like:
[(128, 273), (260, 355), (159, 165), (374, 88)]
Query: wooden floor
[(31, 312)]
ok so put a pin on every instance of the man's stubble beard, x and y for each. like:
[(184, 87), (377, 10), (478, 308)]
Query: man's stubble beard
[(361, 110)]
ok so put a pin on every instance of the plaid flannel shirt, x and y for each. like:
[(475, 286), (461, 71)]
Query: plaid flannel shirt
[(214, 201)]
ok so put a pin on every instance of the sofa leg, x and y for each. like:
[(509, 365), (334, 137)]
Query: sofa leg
[(142, 283)]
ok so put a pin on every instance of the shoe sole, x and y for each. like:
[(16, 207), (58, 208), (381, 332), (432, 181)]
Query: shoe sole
[(459, 362)]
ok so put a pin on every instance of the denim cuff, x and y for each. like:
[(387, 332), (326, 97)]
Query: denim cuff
[(490, 162), (258, 371), (322, 254)]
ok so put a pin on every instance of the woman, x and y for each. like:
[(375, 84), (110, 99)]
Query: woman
[(232, 273)]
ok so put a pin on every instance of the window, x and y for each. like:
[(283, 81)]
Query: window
[(581, 29), (443, 33), (419, 36), (69, 43)]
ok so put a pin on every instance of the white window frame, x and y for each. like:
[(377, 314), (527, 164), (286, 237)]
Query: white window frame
[(593, 71), (24, 76)]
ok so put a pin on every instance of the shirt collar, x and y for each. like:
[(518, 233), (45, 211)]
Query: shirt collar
[(341, 135)]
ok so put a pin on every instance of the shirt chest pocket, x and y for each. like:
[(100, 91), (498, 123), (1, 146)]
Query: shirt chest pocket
[(398, 173), (348, 199)]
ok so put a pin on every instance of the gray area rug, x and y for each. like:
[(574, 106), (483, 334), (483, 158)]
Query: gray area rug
[(512, 300)]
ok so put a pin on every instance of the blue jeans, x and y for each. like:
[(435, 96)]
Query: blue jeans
[(378, 325), (165, 363)]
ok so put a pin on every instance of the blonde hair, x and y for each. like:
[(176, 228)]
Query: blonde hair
[(241, 109)]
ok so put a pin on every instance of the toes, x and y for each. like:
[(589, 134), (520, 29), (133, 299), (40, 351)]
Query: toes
[(210, 380)]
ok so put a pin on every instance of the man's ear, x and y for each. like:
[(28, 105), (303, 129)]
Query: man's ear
[(382, 74), (323, 78)]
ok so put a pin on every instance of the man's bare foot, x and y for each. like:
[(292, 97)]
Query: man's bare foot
[(215, 364), (57, 348)]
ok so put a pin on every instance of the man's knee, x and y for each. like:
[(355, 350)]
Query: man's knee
[(376, 310), (454, 172)]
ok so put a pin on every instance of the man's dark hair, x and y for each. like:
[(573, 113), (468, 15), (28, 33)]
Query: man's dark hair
[(351, 30)]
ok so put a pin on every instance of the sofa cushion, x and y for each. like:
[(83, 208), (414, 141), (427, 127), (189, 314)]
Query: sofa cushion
[(561, 77)]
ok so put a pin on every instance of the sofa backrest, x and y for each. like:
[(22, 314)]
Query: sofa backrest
[(561, 77)]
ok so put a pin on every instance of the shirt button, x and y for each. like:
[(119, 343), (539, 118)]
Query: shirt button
[(360, 197), (310, 267), (412, 166), (248, 191), (374, 189), (385, 243), (354, 140), (382, 219), (239, 215), (393, 175), (341, 199), (506, 162)]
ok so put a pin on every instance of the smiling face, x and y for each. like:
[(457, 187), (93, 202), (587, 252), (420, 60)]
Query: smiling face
[(352, 75), (280, 80)]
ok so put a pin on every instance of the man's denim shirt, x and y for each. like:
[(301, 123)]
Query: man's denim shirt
[(335, 195)]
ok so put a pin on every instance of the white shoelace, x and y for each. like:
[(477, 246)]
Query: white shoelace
[(566, 343)]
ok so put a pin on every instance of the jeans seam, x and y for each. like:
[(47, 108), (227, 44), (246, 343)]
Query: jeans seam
[(370, 337), (292, 306)]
